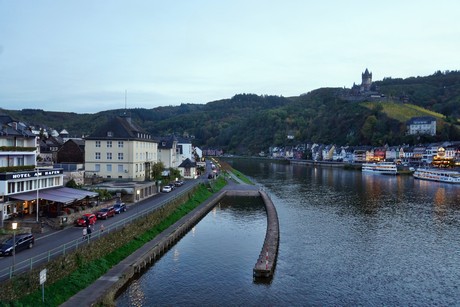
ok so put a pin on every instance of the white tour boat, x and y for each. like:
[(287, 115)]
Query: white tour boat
[(437, 175), (384, 168)]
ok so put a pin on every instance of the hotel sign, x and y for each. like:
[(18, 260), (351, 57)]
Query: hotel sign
[(31, 175)]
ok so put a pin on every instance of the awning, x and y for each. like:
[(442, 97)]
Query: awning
[(62, 195), (25, 196)]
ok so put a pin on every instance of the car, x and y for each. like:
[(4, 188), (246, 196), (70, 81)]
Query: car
[(119, 208), (166, 189), (105, 213), (178, 183), (23, 241), (87, 219)]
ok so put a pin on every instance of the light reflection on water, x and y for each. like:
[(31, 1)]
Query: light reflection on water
[(347, 238)]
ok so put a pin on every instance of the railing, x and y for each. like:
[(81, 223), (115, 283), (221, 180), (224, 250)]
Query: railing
[(35, 261)]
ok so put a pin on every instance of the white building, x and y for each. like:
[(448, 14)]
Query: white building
[(20, 180), (421, 125), (168, 152), (120, 149), (185, 150)]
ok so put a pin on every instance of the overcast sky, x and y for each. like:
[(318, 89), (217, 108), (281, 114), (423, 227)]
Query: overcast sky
[(82, 55)]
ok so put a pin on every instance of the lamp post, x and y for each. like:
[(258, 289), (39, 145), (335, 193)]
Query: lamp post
[(14, 226), (38, 186)]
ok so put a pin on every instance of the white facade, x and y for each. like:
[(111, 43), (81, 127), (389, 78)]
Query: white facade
[(120, 159), (120, 150), (14, 185), (168, 153), (422, 125), (19, 175), (186, 151)]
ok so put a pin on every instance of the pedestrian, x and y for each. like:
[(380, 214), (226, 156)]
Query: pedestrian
[(102, 228), (85, 232), (89, 231)]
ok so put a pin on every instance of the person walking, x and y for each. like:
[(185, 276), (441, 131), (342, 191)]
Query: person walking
[(85, 232), (89, 231)]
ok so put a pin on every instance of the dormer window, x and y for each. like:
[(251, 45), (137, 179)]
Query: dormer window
[(110, 134)]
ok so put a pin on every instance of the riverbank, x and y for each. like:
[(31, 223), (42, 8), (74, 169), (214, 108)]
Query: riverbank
[(117, 278), (77, 270)]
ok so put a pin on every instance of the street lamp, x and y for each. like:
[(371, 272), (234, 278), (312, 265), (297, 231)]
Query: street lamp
[(14, 226), (38, 185), (137, 193)]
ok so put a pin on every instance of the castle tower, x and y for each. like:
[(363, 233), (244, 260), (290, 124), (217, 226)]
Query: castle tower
[(366, 81)]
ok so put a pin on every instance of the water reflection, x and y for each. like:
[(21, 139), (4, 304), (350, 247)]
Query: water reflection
[(136, 295), (346, 239)]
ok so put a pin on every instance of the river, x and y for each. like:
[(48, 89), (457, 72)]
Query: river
[(346, 238)]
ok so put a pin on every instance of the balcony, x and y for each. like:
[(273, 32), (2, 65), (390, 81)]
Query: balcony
[(16, 148), (17, 168)]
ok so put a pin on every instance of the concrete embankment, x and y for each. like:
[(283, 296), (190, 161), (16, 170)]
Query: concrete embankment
[(105, 289), (265, 265)]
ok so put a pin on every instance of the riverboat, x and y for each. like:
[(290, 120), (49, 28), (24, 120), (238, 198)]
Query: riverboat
[(384, 168), (437, 175)]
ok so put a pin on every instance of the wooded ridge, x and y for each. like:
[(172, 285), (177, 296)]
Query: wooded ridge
[(249, 123)]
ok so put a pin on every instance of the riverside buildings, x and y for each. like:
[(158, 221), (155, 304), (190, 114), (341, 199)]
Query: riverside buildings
[(20, 179)]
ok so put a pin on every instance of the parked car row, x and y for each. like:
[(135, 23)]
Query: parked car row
[(171, 186), (103, 214)]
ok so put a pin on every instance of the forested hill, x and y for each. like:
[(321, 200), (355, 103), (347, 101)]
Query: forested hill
[(248, 123)]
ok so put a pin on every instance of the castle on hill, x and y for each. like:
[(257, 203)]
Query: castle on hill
[(364, 91)]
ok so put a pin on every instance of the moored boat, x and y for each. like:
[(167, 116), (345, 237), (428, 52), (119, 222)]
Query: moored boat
[(437, 175), (384, 168)]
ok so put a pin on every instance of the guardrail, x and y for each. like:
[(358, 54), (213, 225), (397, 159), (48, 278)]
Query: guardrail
[(37, 260)]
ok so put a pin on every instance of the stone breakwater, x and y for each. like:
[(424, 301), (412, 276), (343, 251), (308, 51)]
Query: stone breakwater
[(265, 265)]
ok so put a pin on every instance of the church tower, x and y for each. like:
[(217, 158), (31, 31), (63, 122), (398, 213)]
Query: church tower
[(366, 81)]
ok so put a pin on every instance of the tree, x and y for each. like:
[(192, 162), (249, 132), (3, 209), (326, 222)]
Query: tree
[(367, 130), (157, 169)]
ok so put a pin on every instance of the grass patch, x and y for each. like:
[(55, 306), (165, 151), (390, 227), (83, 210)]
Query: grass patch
[(89, 271), (241, 176), (402, 112), (227, 168)]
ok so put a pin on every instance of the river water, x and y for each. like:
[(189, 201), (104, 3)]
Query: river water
[(346, 238)]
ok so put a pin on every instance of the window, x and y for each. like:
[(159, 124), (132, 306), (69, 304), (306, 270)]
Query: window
[(109, 144), (109, 168), (120, 144), (11, 187), (120, 168), (109, 156), (97, 167), (110, 133), (98, 156), (120, 156), (98, 143)]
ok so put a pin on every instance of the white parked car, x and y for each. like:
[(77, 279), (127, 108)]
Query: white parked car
[(166, 189)]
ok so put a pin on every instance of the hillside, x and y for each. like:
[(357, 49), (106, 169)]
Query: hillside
[(248, 123)]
